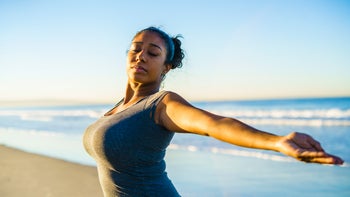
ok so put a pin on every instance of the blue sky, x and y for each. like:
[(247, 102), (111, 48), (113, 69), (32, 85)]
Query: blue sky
[(76, 50)]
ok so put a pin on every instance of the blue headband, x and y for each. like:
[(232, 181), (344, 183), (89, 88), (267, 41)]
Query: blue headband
[(171, 50)]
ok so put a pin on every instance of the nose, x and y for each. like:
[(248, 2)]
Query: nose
[(140, 56)]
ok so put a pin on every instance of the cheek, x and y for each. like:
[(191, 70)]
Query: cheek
[(129, 57), (129, 60)]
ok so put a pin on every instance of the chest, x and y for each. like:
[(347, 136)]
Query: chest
[(126, 136)]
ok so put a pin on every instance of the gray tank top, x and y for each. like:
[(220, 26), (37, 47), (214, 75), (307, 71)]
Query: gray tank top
[(129, 149)]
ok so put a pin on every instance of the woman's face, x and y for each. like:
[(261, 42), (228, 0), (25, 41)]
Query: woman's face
[(146, 58)]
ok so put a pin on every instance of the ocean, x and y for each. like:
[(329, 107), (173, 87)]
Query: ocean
[(202, 166)]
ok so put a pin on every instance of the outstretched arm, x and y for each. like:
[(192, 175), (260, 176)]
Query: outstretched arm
[(176, 114)]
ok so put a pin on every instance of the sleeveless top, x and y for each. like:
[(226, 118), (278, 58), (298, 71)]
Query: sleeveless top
[(129, 149)]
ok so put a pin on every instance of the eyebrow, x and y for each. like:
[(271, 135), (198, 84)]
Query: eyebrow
[(150, 44)]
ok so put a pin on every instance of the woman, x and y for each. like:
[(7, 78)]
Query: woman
[(129, 141)]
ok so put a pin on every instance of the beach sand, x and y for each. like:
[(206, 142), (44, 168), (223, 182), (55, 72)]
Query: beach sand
[(30, 175), (193, 174)]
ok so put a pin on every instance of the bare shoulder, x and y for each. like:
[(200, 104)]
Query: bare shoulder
[(170, 103), (173, 98), (169, 109), (178, 115)]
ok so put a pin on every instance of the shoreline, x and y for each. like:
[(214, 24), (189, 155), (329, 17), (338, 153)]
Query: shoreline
[(31, 175), (28, 174)]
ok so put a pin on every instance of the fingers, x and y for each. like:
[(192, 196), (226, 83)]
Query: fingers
[(319, 157), (323, 160), (304, 148), (311, 154)]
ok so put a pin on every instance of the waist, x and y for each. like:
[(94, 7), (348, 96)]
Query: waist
[(142, 184)]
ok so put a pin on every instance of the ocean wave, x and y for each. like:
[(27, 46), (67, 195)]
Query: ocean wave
[(333, 113), (297, 122), (234, 152), (293, 117), (29, 132), (48, 115), (68, 146), (302, 117), (241, 153), (25, 138)]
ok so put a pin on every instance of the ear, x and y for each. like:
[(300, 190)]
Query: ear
[(167, 67)]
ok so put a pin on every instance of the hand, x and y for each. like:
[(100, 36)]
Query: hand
[(304, 148)]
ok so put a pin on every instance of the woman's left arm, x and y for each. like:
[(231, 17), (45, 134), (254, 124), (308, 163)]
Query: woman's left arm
[(177, 115)]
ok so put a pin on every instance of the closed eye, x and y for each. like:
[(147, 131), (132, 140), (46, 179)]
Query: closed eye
[(152, 54)]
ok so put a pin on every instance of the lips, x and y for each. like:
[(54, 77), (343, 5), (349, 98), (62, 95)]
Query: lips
[(139, 68)]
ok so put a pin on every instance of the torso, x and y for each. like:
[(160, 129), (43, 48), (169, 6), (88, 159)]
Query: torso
[(129, 149)]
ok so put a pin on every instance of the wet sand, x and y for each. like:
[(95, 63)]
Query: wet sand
[(31, 175)]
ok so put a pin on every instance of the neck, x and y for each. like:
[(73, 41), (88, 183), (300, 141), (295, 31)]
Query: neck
[(135, 91)]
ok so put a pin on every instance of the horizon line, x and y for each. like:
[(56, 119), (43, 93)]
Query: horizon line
[(54, 102)]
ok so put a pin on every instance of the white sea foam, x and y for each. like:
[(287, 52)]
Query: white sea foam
[(254, 154), (60, 129), (333, 113), (329, 117), (297, 122), (192, 148), (234, 152), (69, 147), (50, 143), (48, 115)]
